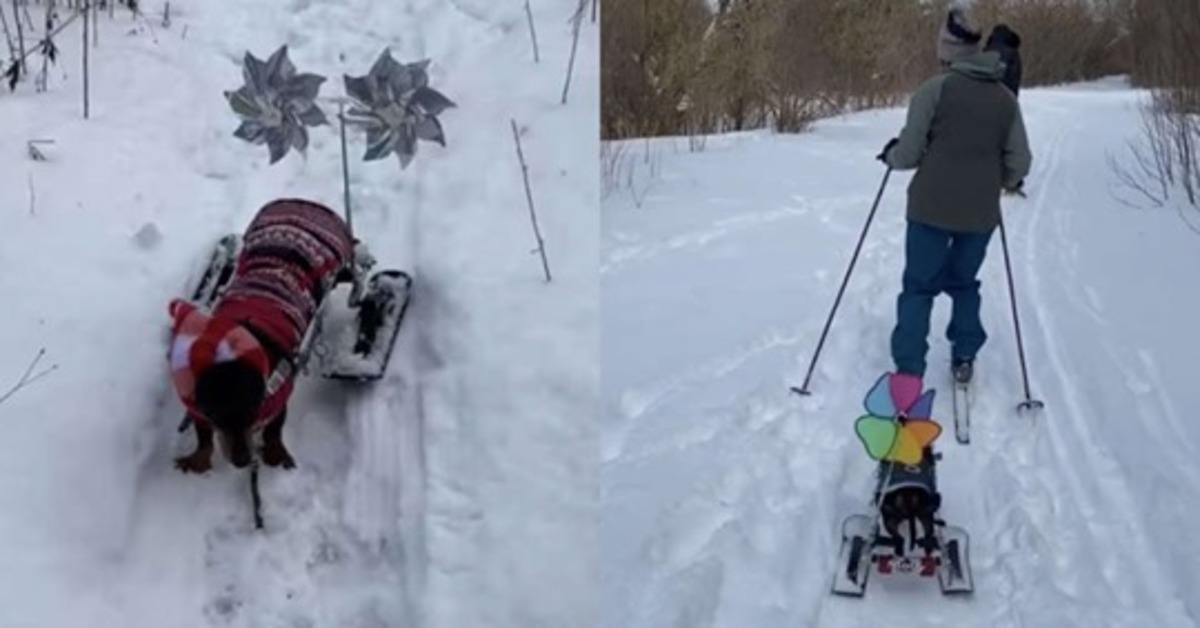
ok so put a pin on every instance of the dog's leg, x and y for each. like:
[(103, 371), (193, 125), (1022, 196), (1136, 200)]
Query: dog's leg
[(200, 460), (274, 453)]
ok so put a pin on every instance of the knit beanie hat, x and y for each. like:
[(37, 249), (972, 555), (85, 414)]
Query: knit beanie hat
[(956, 40)]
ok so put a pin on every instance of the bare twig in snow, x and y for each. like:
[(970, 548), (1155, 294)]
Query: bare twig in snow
[(532, 31), (46, 45), (32, 197), (594, 4), (577, 23), (12, 49), (84, 9), (20, 35), (26, 379), (529, 197), (34, 153)]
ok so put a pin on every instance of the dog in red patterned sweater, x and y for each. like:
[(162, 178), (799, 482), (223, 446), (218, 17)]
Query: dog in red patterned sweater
[(234, 368)]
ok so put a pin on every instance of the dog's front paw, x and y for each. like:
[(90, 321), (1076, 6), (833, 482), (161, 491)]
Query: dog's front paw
[(199, 461), (276, 455)]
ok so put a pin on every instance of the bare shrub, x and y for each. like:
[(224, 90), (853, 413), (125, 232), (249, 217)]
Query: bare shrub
[(1166, 59)]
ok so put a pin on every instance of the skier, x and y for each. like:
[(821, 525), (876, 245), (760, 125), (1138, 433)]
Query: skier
[(1007, 42), (965, 136)]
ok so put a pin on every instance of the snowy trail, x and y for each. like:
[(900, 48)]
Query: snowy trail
[(724, 496), (449, 494)]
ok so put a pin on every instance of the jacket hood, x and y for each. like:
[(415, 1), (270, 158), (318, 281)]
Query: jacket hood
[(981, 65)]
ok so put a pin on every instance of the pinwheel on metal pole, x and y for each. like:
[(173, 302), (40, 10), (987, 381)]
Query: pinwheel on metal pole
[(276, 104), (396, 107)]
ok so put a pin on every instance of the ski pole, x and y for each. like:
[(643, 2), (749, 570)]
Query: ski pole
[(1030, 403), (803, 389)]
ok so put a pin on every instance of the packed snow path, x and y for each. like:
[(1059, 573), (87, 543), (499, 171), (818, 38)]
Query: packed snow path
[(456, 492), (723, 494)]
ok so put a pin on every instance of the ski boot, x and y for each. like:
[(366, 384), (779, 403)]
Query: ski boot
[(963, 370)]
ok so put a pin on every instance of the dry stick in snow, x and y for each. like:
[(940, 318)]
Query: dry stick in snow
[(594, 3), (12, 49), (85, 60), (26, 379), (44, 76), (578, 22), (537, 233), (20, 34), (58, 29), (532, 30)]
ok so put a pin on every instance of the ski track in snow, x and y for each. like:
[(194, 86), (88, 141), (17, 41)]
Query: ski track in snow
[(724, 495)]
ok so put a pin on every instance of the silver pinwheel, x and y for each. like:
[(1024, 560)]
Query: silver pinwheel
[(396, 107), (276, 104)]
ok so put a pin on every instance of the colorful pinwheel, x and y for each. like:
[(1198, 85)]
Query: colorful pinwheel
[(897, 426)]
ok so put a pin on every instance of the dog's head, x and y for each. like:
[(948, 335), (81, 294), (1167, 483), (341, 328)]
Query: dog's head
[(230, 394), (909, 502), (220, 371)]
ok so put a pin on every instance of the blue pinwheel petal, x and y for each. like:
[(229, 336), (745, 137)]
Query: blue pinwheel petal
[(879, 399)]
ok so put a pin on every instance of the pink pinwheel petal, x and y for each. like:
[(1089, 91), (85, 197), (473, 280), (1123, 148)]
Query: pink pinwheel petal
[(905, 389)]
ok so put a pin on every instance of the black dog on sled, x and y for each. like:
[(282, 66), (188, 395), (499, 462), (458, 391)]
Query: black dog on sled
[(906, 534)]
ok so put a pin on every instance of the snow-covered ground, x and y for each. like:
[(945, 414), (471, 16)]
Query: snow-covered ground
[(461, 489), (723, 494)]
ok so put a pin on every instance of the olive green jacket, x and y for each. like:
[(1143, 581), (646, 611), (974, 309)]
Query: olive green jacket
[(965, 136)]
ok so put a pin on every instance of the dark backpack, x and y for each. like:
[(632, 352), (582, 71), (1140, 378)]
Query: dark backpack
[(1007, 42)]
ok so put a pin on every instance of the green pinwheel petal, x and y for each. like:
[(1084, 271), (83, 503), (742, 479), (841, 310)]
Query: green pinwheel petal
[(878, 435)]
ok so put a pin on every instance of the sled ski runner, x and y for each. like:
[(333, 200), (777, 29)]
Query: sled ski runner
[(865, 548), (923, 546), (905, 535)]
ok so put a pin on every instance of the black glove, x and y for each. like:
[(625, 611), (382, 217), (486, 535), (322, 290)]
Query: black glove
[(1018, 189), (882, 156)]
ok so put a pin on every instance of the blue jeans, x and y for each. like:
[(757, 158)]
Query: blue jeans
[(938, 261)]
